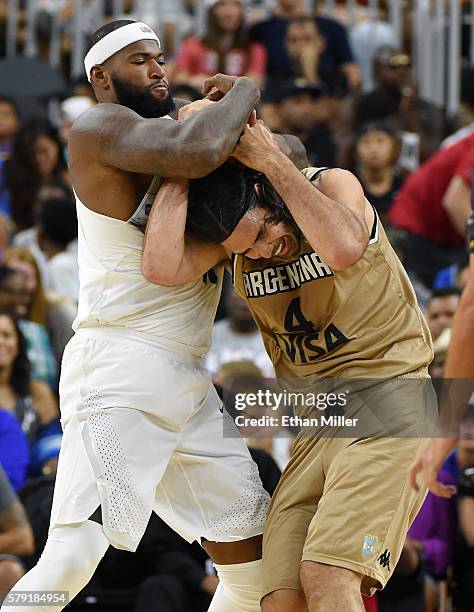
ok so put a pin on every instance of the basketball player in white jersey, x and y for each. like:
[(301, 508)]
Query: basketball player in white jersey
[(142, 422)]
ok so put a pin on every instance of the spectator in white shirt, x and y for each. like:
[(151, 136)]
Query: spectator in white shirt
[(57, 238), (28, 239)]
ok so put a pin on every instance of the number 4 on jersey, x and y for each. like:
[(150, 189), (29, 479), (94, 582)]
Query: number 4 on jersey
[(304, 335), (295, 320)]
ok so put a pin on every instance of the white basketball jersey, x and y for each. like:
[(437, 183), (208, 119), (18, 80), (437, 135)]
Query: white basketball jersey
[(113, 290)]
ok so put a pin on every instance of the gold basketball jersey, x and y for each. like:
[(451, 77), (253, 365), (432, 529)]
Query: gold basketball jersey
[(361, 322)]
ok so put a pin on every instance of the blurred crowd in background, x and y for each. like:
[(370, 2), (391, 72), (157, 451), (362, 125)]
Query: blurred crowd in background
[(349, 94)]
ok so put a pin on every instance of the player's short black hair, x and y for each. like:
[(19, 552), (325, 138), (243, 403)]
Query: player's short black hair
[(106, 29), (217, 202), (58, 220), (445, 292)]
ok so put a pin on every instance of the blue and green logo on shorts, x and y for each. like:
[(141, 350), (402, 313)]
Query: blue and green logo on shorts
[(368, 545)]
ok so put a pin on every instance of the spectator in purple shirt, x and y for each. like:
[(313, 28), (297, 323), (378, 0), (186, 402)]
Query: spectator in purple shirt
[(434, 530), (433, 535), (426, 556)]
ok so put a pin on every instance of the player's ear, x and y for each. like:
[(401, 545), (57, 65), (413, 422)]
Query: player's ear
[(100, 77), (258, 189)]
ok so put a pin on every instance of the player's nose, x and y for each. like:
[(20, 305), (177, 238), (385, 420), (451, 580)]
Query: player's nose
[(157, 71)]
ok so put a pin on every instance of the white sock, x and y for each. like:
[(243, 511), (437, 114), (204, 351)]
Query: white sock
[(69, 559), (239, 588)]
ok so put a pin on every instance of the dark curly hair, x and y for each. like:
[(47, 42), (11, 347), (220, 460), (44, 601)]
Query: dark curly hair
[(21, 370), (218, 201)]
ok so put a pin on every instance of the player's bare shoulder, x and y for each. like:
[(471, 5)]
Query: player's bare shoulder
[(334, 179), (94, 128), (92, 150), (344, 187), (338, 183)]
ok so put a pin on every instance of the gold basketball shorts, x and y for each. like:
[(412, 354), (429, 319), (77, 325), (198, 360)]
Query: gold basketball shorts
[(346, 501)]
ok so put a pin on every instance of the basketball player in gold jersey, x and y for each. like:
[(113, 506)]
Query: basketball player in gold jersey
[(331, 300)]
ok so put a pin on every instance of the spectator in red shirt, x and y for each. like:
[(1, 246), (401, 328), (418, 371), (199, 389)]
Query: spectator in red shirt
[(226, 47), (422, 209)]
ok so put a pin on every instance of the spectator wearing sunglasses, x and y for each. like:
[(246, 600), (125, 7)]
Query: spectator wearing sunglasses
[(396, 100)]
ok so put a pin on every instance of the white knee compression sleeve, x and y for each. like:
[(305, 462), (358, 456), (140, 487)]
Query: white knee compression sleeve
[(69, 559), (239, 588)]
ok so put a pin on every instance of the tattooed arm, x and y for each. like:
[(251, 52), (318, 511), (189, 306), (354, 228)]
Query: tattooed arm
[(119, 138), (170, 257)]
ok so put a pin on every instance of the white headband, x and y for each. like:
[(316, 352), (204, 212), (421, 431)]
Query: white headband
[(116, 41)]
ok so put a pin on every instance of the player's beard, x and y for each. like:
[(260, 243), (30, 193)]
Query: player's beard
[(141, 100)]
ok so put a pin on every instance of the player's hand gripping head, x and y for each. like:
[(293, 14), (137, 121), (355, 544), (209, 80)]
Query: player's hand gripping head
[(257, 147)]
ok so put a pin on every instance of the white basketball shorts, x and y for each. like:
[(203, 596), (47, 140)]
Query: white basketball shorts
[(143, 431)]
